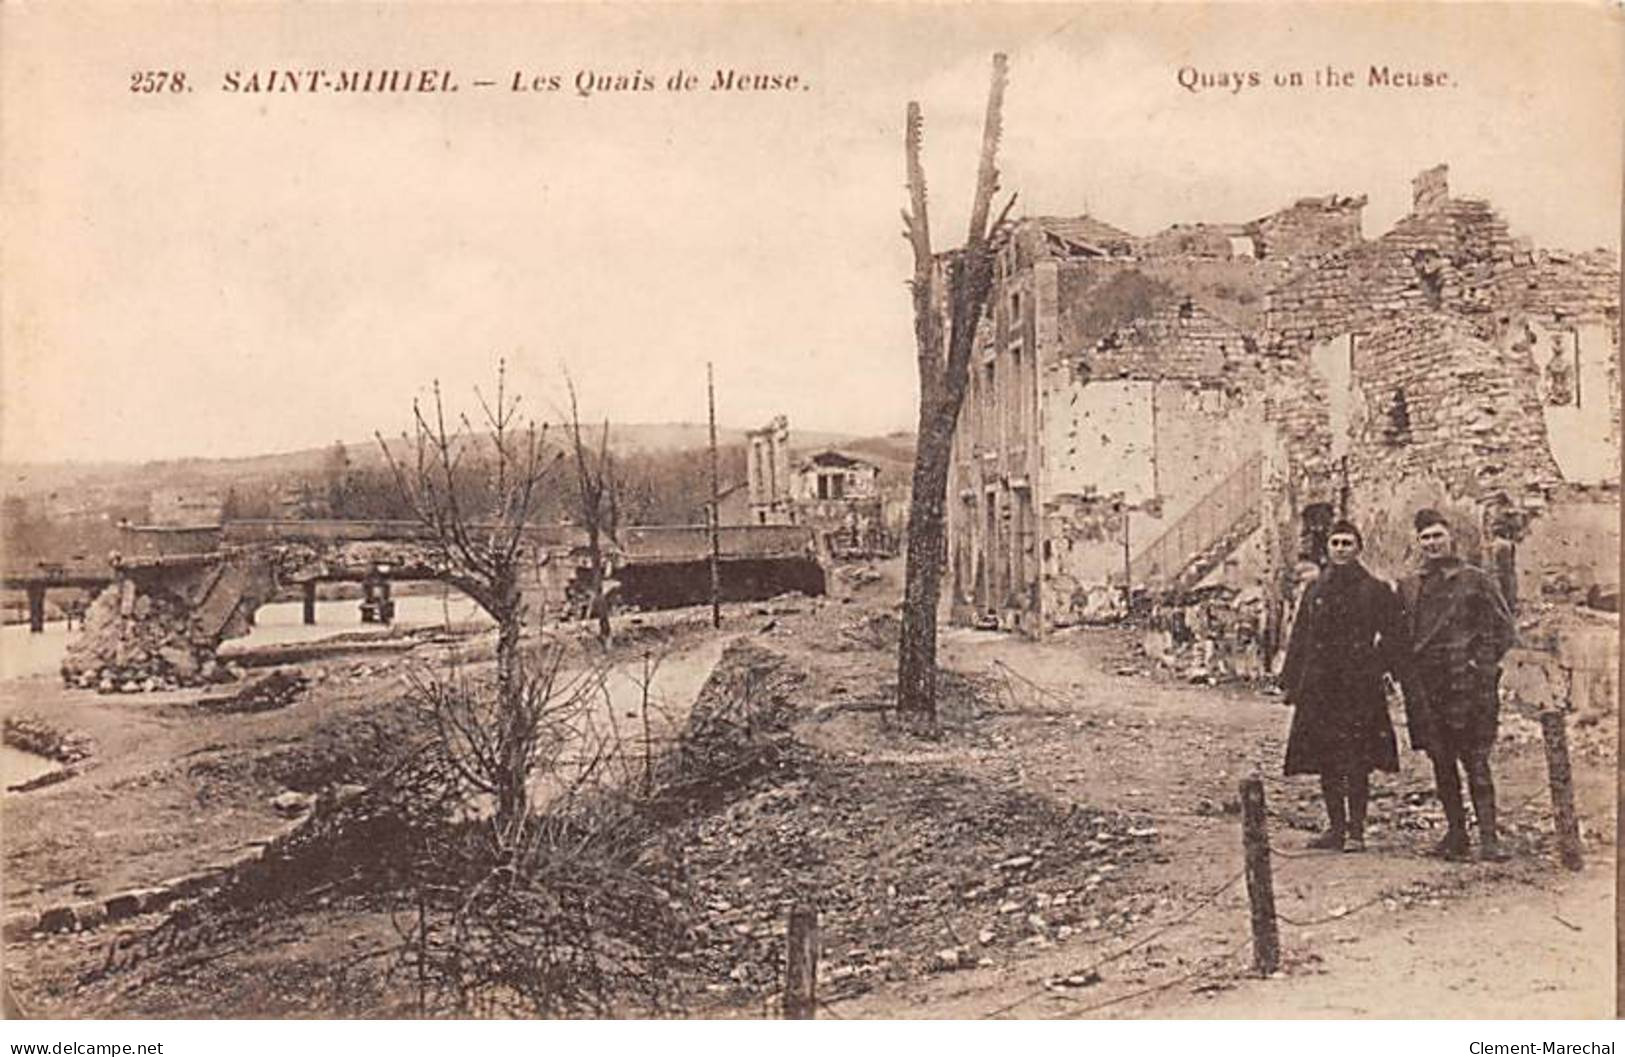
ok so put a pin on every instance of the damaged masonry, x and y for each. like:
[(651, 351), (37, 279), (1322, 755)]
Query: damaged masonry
[(1186, 413)]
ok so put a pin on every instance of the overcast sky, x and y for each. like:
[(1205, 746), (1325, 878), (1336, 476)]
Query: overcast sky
[(209, 273)]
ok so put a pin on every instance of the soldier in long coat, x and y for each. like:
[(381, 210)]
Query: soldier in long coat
[(1345, 636), (1458, 627)]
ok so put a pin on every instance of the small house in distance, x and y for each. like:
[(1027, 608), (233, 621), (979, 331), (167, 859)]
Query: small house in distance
[(835, 493), (839, 496)]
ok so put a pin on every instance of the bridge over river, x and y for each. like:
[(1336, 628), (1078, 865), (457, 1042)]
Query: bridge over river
[(177, 592)]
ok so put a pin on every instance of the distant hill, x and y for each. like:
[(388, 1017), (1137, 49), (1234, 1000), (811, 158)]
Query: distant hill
[(127, 482)]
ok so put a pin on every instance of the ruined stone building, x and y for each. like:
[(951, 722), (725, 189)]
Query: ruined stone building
[(839, 496), (1447, 364), (836, 494), (1199, 403), (767, 470)]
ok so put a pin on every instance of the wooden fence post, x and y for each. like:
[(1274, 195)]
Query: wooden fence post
[(1561, 777), (801, 965), (1260, 888)]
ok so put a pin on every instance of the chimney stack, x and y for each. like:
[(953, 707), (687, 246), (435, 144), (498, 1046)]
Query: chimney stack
[(1430, 189)]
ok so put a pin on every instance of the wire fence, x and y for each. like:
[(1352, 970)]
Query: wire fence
[(1292, 867)]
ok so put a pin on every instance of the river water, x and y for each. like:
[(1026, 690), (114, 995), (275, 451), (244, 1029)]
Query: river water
[(617, 712), (23, 653), (662, 686), (17, 766)]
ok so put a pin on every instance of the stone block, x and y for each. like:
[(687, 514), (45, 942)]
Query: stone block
[(57, 919), (119, 907), (189, 884), (89, 915)]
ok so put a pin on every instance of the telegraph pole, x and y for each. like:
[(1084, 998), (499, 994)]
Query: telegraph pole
[(716, 505), (1128, 562)]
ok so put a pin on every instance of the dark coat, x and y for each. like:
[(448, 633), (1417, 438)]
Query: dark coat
[(1457, 628), (1343, 639)]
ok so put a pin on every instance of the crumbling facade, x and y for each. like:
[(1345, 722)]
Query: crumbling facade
[(1198, 405), (1447, 364), (1115, 408), (836, 494), (839, 497), (767, 469)]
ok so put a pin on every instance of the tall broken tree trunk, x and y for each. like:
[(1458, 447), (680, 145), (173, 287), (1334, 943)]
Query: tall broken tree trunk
[(944, 376)]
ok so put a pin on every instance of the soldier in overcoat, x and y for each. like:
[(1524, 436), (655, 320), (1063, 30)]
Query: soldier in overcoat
[(1345, 636), (1457, 629)]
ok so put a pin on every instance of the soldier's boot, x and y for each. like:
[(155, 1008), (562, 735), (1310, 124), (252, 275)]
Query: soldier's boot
[(1482, 787), (1454, 846), (1332, 788), (1359, 784)]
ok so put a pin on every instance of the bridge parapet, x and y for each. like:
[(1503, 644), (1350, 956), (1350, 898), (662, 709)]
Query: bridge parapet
[(166, 541), (179, 592)]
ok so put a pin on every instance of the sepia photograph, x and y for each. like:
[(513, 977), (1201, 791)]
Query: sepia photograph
[(735, 512)]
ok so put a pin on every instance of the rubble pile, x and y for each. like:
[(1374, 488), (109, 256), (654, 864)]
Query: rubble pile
[(32, 734), (1099, 604), (1212, 635), (913, 871), (277, 689), (858, 575), (871, 631), (153, 644)]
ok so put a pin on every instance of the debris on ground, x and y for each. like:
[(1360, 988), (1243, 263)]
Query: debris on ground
[(276, 689), (30, 733), (898, 859), (150, 645), (868, 631), (1209, 636)]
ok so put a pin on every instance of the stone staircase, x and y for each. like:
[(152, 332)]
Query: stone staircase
[(1207, 533)]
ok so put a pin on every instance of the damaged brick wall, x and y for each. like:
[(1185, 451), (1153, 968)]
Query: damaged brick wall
[(1452, 259), (1178, 339), (1558, 556), (1470, 419), (1309, 228), (1232, 335), (1084, 550), (1439, 319), (1095, 297)]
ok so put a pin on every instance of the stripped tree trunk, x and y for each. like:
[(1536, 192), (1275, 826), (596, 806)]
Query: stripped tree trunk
[(943, 379), (595, 479), (475, 491)]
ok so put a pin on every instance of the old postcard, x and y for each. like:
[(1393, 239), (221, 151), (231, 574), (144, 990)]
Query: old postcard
[(814, 511)]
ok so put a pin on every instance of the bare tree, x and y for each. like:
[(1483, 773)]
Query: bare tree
[(475, 491), (599, 496), (944, 375)]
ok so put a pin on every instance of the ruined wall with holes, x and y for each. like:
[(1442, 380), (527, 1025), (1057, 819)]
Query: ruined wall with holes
[(1441, 363), (1141, 449), (1445, 420), (1104, 380), (1444, 364)]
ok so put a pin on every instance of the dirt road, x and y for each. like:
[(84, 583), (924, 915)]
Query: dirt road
[(1537, 951), (1391, 933)]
